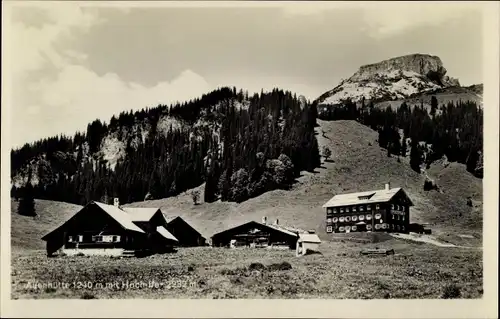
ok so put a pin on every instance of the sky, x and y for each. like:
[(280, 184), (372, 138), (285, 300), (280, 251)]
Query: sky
[(71, 63)]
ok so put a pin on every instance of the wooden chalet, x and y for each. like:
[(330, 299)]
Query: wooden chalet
[(385, 210), (257, 234), (101, 229), (185, 234)]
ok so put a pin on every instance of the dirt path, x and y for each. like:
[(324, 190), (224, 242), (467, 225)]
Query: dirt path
[(429, 240)]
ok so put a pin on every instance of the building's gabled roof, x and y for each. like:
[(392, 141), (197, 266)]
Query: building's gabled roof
[(309, 238), (377, 196), (120, 216), (169, 218), (256, 223), (282, 229), (165, 233), (140, 214), (116, 213)]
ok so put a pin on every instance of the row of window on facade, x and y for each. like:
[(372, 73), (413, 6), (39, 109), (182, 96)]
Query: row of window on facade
[(354, 228), (96, 239), (355, 218), (361, 208)]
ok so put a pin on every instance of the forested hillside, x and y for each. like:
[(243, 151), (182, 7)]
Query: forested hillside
[(240, 146), (454, 130)]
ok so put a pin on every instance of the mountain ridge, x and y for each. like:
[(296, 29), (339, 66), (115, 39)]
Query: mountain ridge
[(396, 78)]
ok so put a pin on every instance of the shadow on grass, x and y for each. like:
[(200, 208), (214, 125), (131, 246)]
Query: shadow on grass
[(313, 252)]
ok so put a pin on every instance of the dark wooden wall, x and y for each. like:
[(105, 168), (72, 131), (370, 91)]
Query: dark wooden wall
[(92, 221), (274, 236), (187, 235)]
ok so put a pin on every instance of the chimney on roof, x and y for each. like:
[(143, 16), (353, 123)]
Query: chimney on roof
[(277, 221), (264, 220), (387, 186), (116, 202)]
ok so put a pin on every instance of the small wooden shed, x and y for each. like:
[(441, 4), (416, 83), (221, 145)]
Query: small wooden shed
[(307, 242)]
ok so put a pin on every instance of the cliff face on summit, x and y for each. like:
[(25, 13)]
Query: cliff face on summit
[(392, 79), (425, 65)]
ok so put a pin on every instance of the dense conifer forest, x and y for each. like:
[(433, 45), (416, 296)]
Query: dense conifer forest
[(454, 130), (240, 146)]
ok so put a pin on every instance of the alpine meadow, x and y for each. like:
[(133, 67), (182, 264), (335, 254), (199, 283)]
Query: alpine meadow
[(259, 153)]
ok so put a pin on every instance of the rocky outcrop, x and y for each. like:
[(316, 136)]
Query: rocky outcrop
[(391, 79), (423, 64)]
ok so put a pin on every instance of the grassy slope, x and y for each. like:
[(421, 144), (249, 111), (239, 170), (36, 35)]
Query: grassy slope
[(26, 232), (358, 164), (415, 271)]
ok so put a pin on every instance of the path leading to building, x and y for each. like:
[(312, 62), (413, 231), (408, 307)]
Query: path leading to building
[(427, 239)]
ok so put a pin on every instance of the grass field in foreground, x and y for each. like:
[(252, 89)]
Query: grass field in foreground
[(415, 271)]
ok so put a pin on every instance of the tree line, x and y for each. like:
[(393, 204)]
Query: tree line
[(454, 129), (239, 146)]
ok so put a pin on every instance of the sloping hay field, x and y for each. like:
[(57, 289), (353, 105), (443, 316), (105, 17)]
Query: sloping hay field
[(340, 271), (27, 232), (357, 164)]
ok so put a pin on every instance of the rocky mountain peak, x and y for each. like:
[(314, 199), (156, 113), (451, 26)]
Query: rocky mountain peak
[(391, 79)]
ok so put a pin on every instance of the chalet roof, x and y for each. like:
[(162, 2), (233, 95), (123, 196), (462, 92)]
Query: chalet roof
[(116, 213), (140, 214), (169, 218), (369, 197), (279, 228), (120, 216), (165, 233), (283, 229), (309, 238)]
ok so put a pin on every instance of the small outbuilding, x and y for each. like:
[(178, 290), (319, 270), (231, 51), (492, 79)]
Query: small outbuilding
[(307, 242)]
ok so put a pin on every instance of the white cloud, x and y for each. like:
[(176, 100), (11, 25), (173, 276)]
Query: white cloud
[(384, 20), (71, 95), (33, 48), (303, 9), (78, 95)]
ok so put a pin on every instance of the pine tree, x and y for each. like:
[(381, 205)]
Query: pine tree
[(403, 147), (434, 105), (326, 153), (27, 202), (415, 156), (14, 193)]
